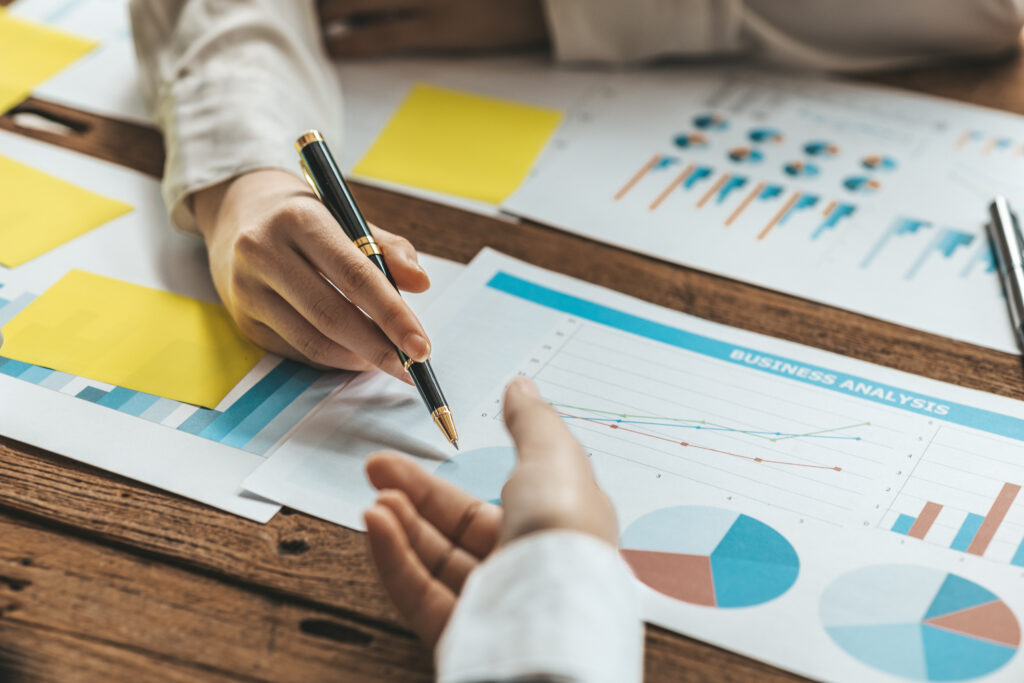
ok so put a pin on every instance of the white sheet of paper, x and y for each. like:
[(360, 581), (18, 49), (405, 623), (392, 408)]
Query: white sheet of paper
[(866, 198), (146, 438), (793, 469), (105, 81)]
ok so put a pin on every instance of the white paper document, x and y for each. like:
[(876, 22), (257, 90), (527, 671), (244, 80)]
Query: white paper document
[(106, 80), (194, 452), (866, 198), (833, 517)]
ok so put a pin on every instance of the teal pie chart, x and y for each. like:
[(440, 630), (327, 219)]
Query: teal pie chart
[(481, 472), (920, 622), (710, 556)]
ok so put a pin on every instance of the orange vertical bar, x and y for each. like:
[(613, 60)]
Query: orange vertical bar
[(993, 519), (962, 140), (1020, 150), (828, 209), (782, 212), (925, 520), (744, 204), (668, 190), (989, 146), (714, 188), (644, 170)]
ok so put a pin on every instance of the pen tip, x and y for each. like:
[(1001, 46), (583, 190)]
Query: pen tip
[(456, 444)]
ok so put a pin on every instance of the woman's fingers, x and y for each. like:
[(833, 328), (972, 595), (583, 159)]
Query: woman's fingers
[(402, 261), (467, 521), (323, 245), (278, 314), (445, 561), (424, 601), (330, 313)]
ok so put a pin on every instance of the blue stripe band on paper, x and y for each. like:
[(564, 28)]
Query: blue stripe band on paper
[(840, 382)]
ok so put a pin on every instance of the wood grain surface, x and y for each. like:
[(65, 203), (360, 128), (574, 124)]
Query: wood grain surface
[(102, 578)]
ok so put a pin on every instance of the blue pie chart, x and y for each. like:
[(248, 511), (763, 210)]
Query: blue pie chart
[(481, 472), (710, 556), (920, 622)]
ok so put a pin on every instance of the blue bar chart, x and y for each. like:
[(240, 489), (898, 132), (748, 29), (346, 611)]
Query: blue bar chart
[(253, 422)]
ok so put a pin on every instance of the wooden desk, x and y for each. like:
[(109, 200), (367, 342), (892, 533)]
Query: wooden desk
[(105, 579)]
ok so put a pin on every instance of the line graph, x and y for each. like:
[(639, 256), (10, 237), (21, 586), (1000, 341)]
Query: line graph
[(666, 414), (630, 418), (617, 424)]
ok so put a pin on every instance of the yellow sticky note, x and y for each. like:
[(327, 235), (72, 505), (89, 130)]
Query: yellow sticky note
[(459, 143), (132, 336), (29, 54), (40, 212)]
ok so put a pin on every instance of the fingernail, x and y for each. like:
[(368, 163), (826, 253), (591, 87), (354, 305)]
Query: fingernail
[(526, 385), (417, 347)]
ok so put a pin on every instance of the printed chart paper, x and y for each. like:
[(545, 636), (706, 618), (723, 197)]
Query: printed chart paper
[(40, 212), (29, 54), (763, 487), (104, 81), (866, 198), (196, 452), (459, 143), (139, 338)]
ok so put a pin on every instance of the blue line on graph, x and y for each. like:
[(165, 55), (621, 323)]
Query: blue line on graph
[(899, 227), (985, 253), (711, 429), (778, 366), (733, 183), (838, 213), (806, 201), (696, 175), (945, 243)]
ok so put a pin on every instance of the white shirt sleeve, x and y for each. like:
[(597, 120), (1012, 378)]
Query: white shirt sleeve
[(555, 605), (823, 34), (232, 84)]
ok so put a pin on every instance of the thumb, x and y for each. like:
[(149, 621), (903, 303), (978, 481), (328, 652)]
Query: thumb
[(539, 434)]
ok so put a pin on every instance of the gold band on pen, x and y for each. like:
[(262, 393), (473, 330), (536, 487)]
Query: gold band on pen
[(367, 245), (408, 362), (308, 137)]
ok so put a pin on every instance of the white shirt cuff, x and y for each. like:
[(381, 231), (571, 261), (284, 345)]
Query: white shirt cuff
[(561, 604)]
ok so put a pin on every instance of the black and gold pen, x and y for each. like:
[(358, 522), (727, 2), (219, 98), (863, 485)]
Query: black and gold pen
[(325, 178)]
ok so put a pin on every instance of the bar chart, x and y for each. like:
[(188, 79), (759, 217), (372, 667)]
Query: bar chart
[(966, 501), (268, 402)]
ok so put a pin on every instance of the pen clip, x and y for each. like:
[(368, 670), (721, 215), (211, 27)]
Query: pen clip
[(309, 178)]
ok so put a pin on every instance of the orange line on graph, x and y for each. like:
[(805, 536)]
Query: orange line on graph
[(714, 188), (782, 212), (671, 186), (744, 204), (636, 178), (989, 146), (962, 140), (828, 209), (687, 444)]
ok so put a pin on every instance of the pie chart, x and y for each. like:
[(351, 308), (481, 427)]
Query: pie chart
[(745, 155), (481, 472), (920, 622), (710, 556)]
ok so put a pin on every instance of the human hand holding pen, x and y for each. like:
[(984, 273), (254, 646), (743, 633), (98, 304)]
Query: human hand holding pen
[(275, 252), (427, 536)]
